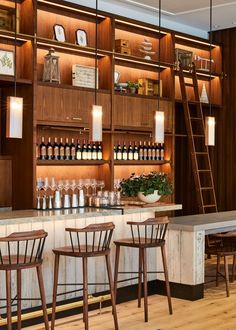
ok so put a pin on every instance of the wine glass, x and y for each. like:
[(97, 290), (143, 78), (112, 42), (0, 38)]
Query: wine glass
[(80, 184), (39, 185), (60, 185), (87, 184), (94, 186), (45, 185), (73, 185), (66, 186), (101, 184), (53, 185)]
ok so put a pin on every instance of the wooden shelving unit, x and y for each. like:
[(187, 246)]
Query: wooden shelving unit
[(63, 110)]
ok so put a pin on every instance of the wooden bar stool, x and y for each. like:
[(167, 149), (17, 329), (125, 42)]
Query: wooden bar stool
[(91, 241), (223, 245), (145, 235), (20, 251)]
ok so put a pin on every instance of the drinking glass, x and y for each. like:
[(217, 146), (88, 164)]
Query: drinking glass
[(73, 185), (60, 185), (80, 184), (53, 185), (87, 184), (39, 185), (101, 184), (66, 186), (45, 185), (94, 184)]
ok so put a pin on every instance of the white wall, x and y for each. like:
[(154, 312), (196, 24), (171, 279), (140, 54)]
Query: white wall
[(141, 14)]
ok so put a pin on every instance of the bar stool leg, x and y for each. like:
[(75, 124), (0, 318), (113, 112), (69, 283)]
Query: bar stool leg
[(18, 299), (85, 291), (116, 269), (140, 278), (233, 267), (54, 298), (42, 294), (144, 254), (108, 263), (163, 253), (8, 294), (226, 275), (217, 269)]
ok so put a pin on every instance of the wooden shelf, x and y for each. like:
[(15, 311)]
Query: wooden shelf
[(206, 105), (191, 41), (154, 97), (141, 162), (71, 162), (64, 86), (9, 80), (128, 60), (9, 36), (201, 75)]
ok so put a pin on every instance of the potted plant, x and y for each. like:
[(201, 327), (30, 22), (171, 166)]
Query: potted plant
[(148, 187), (133, 86)]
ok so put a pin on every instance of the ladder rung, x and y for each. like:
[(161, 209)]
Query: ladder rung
[(201, 153), (208, 206), (206, 188), (198, 135), (204, 170), (189, 85), (195, 118)]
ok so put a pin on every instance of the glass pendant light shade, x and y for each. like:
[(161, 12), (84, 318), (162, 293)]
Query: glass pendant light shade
[(159, 127), (14, 122), (96, 129), (210, 131)]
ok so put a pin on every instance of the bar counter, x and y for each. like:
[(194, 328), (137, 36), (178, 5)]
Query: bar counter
[(55, 222)]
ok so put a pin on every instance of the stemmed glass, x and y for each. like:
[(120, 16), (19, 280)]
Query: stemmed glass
[(53, 187), (80, 184), (117, 184), (94, 184), (101, 184), (60, 185), (39, 185), (73, 185), (87, 184), (45, 185), (66, 186)]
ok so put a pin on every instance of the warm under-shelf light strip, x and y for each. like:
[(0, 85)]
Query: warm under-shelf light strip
[(143, 63), (12, 37), (203, 74), (140, 26), (70, 8), (40, 43), (195, 40)]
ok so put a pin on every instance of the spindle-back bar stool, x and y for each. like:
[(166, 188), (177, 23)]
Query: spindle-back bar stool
[(144, 235), (20, 251), (91, 241)]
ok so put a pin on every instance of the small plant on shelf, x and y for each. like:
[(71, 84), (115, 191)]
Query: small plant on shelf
[(153, 183), (133, 86)]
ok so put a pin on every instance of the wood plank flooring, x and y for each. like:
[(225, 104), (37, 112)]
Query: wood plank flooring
[(214, 312)]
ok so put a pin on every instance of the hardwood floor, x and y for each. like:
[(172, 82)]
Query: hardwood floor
[(214, 312)]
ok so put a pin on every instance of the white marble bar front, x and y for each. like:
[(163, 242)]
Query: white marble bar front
[(55, 222)]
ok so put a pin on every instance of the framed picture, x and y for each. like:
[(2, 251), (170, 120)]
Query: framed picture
[(183, 56), (59, 33), (81, 38), (7, 62), (7, 18), (116, 77)]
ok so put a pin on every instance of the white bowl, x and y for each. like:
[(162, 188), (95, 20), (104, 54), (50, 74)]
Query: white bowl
[(152, 198)]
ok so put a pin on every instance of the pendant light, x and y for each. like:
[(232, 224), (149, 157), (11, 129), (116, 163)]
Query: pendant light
[(210, 120), (14, 115), (96, 125), (158, 133)]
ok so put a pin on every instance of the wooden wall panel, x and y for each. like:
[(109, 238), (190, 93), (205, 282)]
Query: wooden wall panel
[(6, 182)]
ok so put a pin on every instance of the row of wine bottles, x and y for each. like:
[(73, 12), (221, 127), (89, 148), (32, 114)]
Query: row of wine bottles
[(68, 151), (143, 151)]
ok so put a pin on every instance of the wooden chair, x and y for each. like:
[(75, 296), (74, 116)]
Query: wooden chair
[(148, 234), (223, 245), (91, 241), (20, 251)]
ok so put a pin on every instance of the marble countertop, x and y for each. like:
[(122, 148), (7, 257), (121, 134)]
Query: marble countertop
[(210, 223), (22, 216)]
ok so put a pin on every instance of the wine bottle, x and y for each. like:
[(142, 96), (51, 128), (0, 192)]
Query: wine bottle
[(61, 150), (119, 152), (56, 154), (84, 151), (157, 152), (140, 151), (67, 150), (145, 151), (149, 151), (94, 151), (114, 152), (72, 150), (124, 152), (37, 153), (130, 152), (153, 151), (136, 153), (49, 149), (89, 151), (78, 151), (162, 152), (99, 151), (43, 150)]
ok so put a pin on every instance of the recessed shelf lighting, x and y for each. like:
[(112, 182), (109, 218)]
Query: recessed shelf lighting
[(140, 26), (139, 62), (194, 40)]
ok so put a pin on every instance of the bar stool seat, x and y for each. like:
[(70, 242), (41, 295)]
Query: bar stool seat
[(91, 241), (147, 234), (29, 249)]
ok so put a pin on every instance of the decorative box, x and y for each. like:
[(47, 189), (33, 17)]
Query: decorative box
[(121, 43), (150, 87), (7, 18), (185, 57), (83, 76)]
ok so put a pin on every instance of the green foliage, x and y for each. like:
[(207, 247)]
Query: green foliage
[(146, 183), (132, 84)]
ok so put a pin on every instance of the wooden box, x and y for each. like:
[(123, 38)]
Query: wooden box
[(7, 18), (150, 87), (123, 50), (121, 43)]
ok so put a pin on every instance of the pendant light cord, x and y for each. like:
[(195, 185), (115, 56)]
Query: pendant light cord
[(15, 50), (159, 56), (210, 39), (96, 52)]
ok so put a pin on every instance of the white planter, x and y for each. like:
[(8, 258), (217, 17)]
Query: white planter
[(152, 198)]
